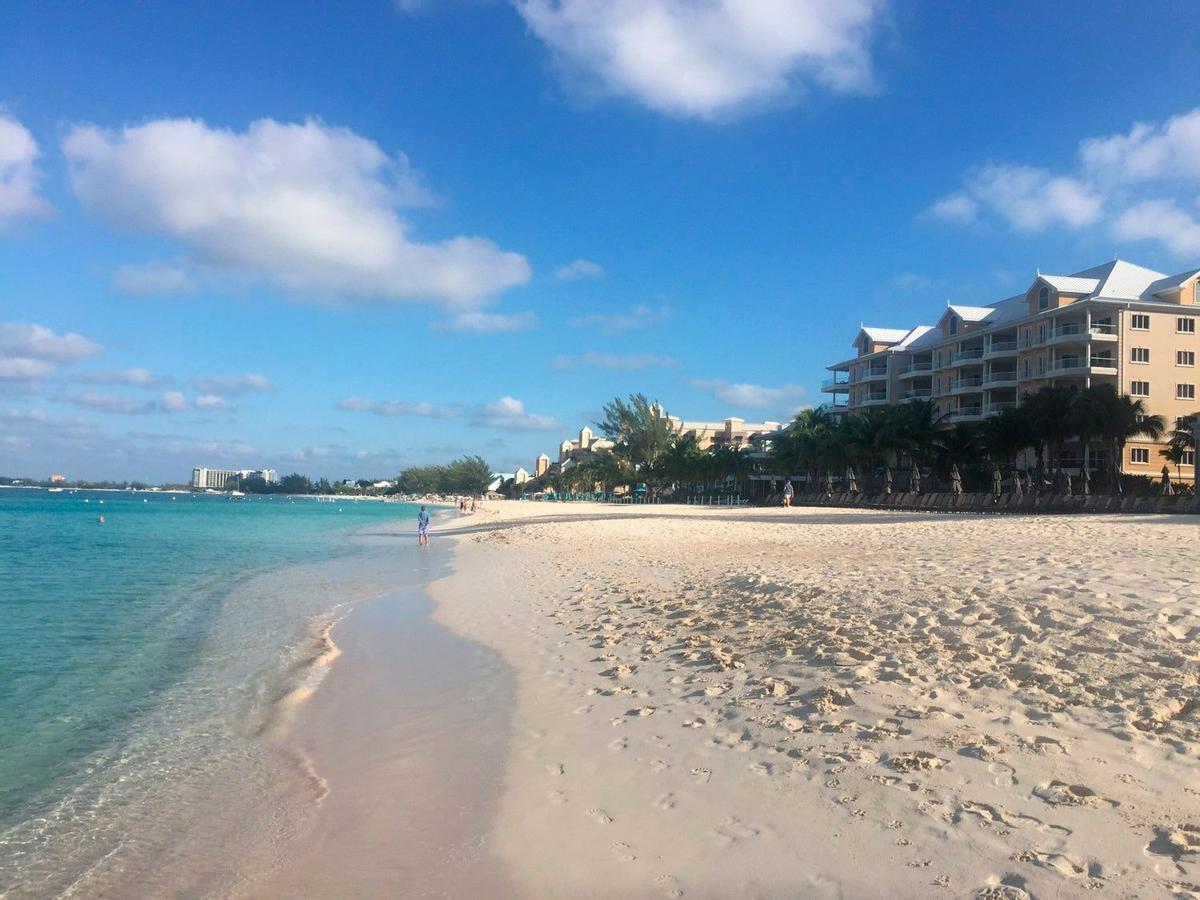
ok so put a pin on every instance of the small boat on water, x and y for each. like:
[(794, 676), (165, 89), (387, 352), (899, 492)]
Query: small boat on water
[(55, 490)]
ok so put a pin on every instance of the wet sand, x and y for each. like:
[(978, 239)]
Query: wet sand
[(406, 735)]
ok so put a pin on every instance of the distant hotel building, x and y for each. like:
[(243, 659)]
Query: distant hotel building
[(204, 479), (1117, 324)]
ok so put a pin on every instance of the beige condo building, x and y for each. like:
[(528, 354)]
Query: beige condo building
[(1117, 323)]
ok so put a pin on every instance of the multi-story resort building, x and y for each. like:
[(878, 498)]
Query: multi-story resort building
[(218, 479), (732, 432), (1117, 324)]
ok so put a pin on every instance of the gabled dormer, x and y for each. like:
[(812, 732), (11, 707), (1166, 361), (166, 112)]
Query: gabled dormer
[(1054, 291), (1183, 289), (957, 320), (871, 339)]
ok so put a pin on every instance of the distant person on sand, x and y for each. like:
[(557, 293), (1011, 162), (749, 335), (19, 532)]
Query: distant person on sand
[(472, 504), (423, 527), (788, 491)]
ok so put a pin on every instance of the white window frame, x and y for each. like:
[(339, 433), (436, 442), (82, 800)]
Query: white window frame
[(1189, 458), (1134, 318), (1043, 298), (1181, 355), (1133, 389), (1185, 324), (1135, 452), (1185, 391), (1134, 352)]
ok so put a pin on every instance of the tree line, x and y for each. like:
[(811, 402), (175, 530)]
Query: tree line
[(819, 445)]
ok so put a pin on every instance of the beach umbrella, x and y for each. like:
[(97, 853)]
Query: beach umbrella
[(829, 482), (1060, 482), (1114, 476), (1066, 483), (1018, 486), (1166, 481), (851, 480), (1039, 476), (1085, 482), (955, 479), (997, 480), (887, 479), (914, 480)]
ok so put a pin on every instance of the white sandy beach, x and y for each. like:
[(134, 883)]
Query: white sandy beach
[(769, 703)]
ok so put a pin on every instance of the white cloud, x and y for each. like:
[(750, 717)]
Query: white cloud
[(22, 368), (1162, 221), (623, 361), (19, 174), (135, 377), (487, 323), (153, 279), (787, 396), (395, 408), (579, 268), (509, 414), (1136, 186), (1148, 152), (234, 383), (173, 401), (210, 401), (111, 403), (708, 59), (29, 352), (309, 209), (613, 323), (39, 342)]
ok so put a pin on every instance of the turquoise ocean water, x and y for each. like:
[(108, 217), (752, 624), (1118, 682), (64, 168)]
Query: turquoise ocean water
[(143, 660)]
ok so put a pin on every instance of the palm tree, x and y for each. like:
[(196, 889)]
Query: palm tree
[(918, 425), (1183, 434), (1088, 413), (1126, 418), (1006, 434), (1174, 454), (1051, 410), (798, 448), (872, 436), (959, 444)]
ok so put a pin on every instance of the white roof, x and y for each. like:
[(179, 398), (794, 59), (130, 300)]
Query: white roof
[(913, 336), (1071, 284), (971, 313), (1174, 281), (885, 335)]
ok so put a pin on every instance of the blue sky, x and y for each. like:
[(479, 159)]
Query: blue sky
[(346, 238)]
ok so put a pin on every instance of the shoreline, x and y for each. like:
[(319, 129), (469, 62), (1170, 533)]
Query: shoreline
[(401, 732)]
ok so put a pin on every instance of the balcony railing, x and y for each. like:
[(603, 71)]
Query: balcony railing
[(999, 377), (964, 412), (1001, 347), (916, 368), (869, 375), (972, 355), (998, 405), (966, 384), (918, 394), (835, 384)]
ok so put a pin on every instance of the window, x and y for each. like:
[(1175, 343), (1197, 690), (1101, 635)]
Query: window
[(1024, 368), (1196, 291), (1139, 455), (1189, 458), (1041, 365), (1185, 357), (1185, 392), (1042, 333), (1044, 298), (1139, 354), (954, 325), (1139, 388), (1185, 325), (1139, 322)]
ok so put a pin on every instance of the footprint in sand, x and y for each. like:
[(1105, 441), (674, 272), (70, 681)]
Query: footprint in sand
[(1005, 774), (732, 830), (558, 798), (702, 774), (642, 711), (665, 802), (555, 768), (1063, 865), (670, 884), (599, 816), (582, 710), (623, 851), (1059, 793), (619, 744), (659, 765)]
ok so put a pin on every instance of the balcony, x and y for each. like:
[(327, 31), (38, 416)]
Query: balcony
[(869, 375), (967, 357), (997, 349), (835, 385), (915, 369), (873, 400), (998, 405), (966, 386), (1001, 379), (917, 394), (1079, 332), (966, 414), (1100, 365)]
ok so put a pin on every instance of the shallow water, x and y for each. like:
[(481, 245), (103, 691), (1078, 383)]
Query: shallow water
[(142, 662)]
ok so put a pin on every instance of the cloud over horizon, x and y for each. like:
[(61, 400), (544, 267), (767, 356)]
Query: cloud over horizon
[(308, 209), (784, 398), (29, 352)]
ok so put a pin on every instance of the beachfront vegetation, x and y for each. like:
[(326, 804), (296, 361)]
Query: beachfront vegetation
[(466, 475)]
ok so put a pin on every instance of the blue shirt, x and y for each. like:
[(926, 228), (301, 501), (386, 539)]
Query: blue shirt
[(423, 518)]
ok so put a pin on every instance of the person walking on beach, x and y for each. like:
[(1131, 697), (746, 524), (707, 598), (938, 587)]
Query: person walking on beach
[(423, 527), (788, 491)]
